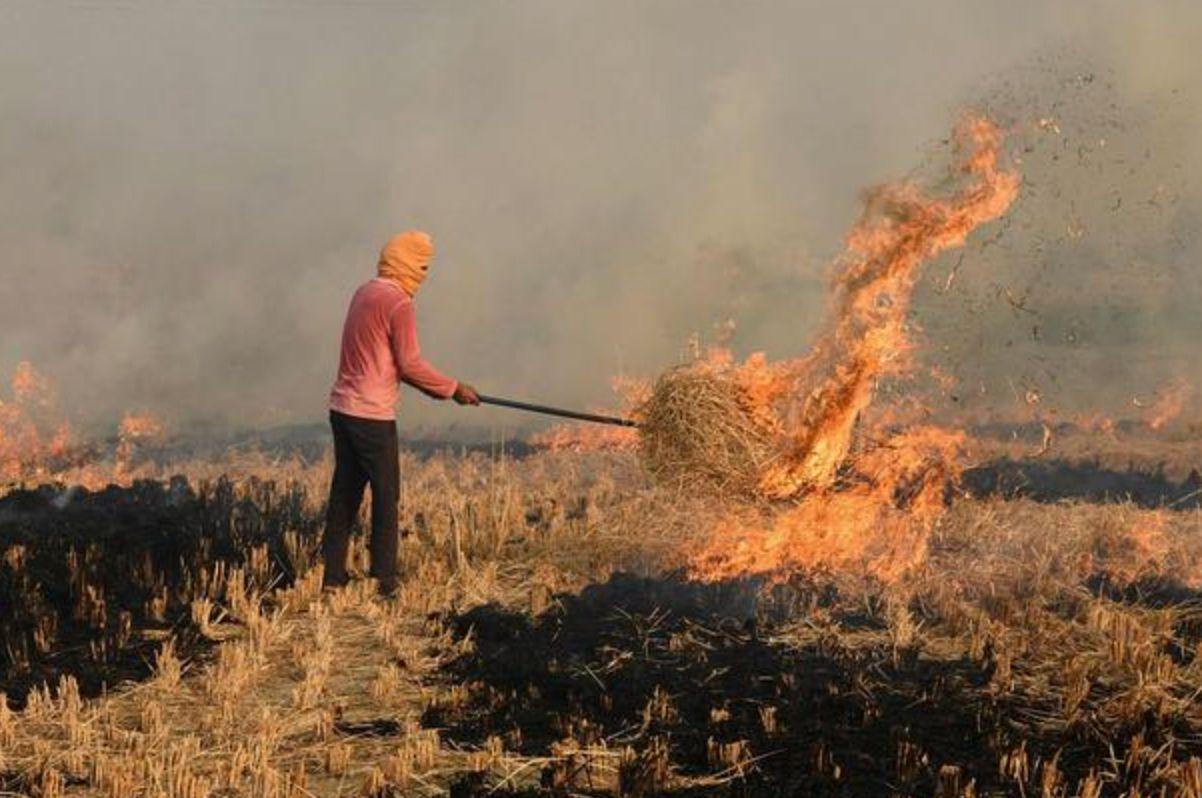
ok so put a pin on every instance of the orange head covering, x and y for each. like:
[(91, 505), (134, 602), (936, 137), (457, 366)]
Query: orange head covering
[(406, 258)]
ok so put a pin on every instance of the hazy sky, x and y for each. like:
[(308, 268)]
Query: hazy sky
[(190, 192)]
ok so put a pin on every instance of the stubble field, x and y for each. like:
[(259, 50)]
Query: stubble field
[(169, 637)]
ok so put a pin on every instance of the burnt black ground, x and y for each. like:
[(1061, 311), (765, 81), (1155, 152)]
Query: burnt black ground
[(665, 666), (85, 566), (1049, 481), (589, 667)]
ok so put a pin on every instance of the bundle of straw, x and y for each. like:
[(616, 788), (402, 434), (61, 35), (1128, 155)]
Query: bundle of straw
[(697, 430)]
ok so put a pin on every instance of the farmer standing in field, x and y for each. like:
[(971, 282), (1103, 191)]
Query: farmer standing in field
[(379, 349)]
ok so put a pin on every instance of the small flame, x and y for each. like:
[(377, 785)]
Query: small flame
[(30, 388), (586, 438), (1096, 421), (32, 435), (135, 429), (1132, 547), (1170, 401), (596, 437), (36, 442), (139, 426)]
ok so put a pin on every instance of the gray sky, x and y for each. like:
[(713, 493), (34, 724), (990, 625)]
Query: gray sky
[(191, 191)]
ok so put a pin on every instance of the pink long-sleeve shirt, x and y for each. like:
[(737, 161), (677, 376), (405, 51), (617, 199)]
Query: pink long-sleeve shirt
[(380, 349)]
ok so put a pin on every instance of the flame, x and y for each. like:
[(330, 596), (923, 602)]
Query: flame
[(30, 388), (1095, 421), (37, 442), (586, 438), (139, 426), (1131, 546), (32, 436), (878, 524), (135, 428), (872, 508), (900, 229), (1170, 401), (851, 530), (596, 437)]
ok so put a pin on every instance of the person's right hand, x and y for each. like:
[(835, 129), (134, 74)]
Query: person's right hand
[(466, 395)]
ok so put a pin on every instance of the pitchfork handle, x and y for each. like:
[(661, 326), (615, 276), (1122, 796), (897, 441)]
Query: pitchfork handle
[(557, 411)]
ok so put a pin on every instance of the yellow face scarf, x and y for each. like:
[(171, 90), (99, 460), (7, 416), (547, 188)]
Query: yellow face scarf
[(406, 258)]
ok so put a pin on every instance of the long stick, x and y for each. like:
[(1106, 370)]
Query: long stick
[(557, 411)]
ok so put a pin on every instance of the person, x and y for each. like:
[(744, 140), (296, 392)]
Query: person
[(379, 350)]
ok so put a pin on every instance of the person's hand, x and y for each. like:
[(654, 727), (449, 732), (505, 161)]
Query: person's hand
[(466, 395)]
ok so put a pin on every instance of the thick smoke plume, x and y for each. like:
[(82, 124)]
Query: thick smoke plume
[(191, 191)]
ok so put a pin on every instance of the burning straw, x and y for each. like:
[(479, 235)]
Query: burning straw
[(864, 497), (785, 429), (815, 483)]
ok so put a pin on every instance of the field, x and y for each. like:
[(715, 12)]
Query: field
[(168, 637)]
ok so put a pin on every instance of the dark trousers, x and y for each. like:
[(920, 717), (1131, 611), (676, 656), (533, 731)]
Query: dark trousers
[(365, 451)]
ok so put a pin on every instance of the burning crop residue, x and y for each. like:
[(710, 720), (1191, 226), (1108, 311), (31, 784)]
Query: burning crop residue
[(33, 435), (596, 438), (1170, 401), (810, 479), (901, 228), (795, 430), (38, 443), (876, 524), (135, 430)]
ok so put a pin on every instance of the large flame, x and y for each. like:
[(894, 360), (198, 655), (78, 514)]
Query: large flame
[(871, 507), (901, 228)]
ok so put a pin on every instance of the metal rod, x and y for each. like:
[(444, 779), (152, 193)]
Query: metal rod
[(557, 411)]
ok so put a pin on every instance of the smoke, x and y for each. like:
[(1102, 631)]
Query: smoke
[(191, 191)]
